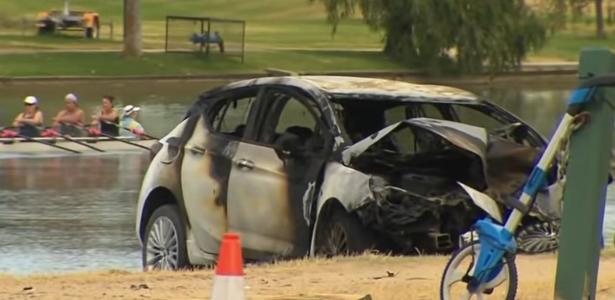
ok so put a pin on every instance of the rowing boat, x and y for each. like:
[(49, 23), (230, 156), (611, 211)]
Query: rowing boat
[(45, 145)]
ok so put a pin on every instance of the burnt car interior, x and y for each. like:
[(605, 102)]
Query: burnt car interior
[(291, 124), (419, 170)]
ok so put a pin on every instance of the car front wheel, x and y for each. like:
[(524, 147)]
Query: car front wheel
[(164, 244), (342, 234)]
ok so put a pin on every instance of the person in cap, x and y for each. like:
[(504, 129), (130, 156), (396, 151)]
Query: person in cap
[(71, 119), (107, 119), (128, 124), (30, 119)]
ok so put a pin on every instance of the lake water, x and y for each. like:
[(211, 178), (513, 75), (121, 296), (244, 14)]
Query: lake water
[(71, 213)]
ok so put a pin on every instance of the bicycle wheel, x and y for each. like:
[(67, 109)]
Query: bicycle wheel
[(454, 283)]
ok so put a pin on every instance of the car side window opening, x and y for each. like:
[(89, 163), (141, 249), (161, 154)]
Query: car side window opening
[(395, 114), (413, 110), (423, 110), (232, 116), (361, 120), (431, 111), (292, 121), (474, 116)]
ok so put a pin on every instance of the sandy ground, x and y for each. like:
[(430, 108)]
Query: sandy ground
[(340, 278)]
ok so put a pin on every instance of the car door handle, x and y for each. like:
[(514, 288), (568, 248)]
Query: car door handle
[(245, 164), (197, 150)]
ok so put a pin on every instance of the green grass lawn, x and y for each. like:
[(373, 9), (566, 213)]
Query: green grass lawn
[(270, 23), (567, 45), (111, 64), (276, 31)]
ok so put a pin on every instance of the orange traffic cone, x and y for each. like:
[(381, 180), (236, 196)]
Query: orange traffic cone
[(229, 282)]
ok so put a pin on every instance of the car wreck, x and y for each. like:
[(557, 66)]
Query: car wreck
[(327, 165)]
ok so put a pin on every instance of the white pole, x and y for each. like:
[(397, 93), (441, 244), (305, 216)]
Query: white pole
[(66, 11)]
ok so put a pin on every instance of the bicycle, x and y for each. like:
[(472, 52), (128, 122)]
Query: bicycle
[(492, 257)]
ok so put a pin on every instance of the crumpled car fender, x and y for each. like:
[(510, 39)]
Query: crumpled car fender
[(345, 185)]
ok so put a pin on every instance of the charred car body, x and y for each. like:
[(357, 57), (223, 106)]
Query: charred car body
[(330, 165)]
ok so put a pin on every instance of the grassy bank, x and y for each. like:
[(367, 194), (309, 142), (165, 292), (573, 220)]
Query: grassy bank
[(339, 278), (275, 30), (270, 23), (111, 64)]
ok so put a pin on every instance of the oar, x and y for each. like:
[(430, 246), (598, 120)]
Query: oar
[(68, 138), (27, 138), (113, 138), (126, 128)]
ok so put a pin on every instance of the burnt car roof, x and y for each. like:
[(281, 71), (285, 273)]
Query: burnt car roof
[(362, 87), (341, 85)]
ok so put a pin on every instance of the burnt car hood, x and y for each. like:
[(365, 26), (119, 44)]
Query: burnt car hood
[(466, 137)]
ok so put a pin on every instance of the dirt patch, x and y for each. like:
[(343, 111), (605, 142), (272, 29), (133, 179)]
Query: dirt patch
[(381, 277)]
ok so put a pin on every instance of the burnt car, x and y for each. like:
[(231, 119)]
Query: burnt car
[(326, 165)]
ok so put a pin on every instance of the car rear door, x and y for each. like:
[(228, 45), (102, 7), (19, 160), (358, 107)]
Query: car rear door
[(207, 163), (269, 185)]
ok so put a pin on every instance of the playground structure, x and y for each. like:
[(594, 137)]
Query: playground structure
[(486, 268), (197, 34)]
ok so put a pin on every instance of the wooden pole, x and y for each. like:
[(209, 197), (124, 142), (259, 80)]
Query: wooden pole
[(585, 190)]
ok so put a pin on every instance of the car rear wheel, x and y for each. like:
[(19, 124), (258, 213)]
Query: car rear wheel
[(164, 244), (342, 234)]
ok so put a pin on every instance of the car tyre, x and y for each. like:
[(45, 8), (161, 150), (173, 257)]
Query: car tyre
[(164, 241), (342, 234), (538, 237)]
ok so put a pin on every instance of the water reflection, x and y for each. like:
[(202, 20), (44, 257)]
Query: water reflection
[(69, 213), (77, 212)]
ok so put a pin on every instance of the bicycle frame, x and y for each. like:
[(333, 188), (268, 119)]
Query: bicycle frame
[(497, 240)]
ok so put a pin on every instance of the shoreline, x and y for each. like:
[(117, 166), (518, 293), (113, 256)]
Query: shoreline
[(529, 73)]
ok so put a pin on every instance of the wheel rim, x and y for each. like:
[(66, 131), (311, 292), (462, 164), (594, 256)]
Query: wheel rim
[(336, 241), (539, 237), (162, 246), (454, 286)]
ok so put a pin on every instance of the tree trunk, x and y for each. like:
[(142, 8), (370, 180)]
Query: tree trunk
[(560, 9), (132, 28), (600, 20)]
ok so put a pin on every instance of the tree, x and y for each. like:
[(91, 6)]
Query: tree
[(132, 28), (449, 35), (600, 20), (577, 7)]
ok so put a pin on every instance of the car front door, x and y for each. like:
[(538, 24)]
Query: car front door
[(207, 163), (275, 177)]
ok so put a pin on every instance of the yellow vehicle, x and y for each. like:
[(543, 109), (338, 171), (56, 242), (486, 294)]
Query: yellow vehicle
[(50, 21)]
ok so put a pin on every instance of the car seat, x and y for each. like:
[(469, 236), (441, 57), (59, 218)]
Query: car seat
[(294, 137), (239, 130)]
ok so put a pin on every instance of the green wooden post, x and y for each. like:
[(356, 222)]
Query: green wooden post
[(585, 191)]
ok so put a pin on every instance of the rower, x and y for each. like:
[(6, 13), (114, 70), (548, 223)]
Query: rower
[(29, 121), (71, 119), (106, 116), (130, 127)]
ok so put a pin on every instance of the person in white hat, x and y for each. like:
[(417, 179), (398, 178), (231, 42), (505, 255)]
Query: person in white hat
[(71, 119), (129, 125), (31, 118)]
